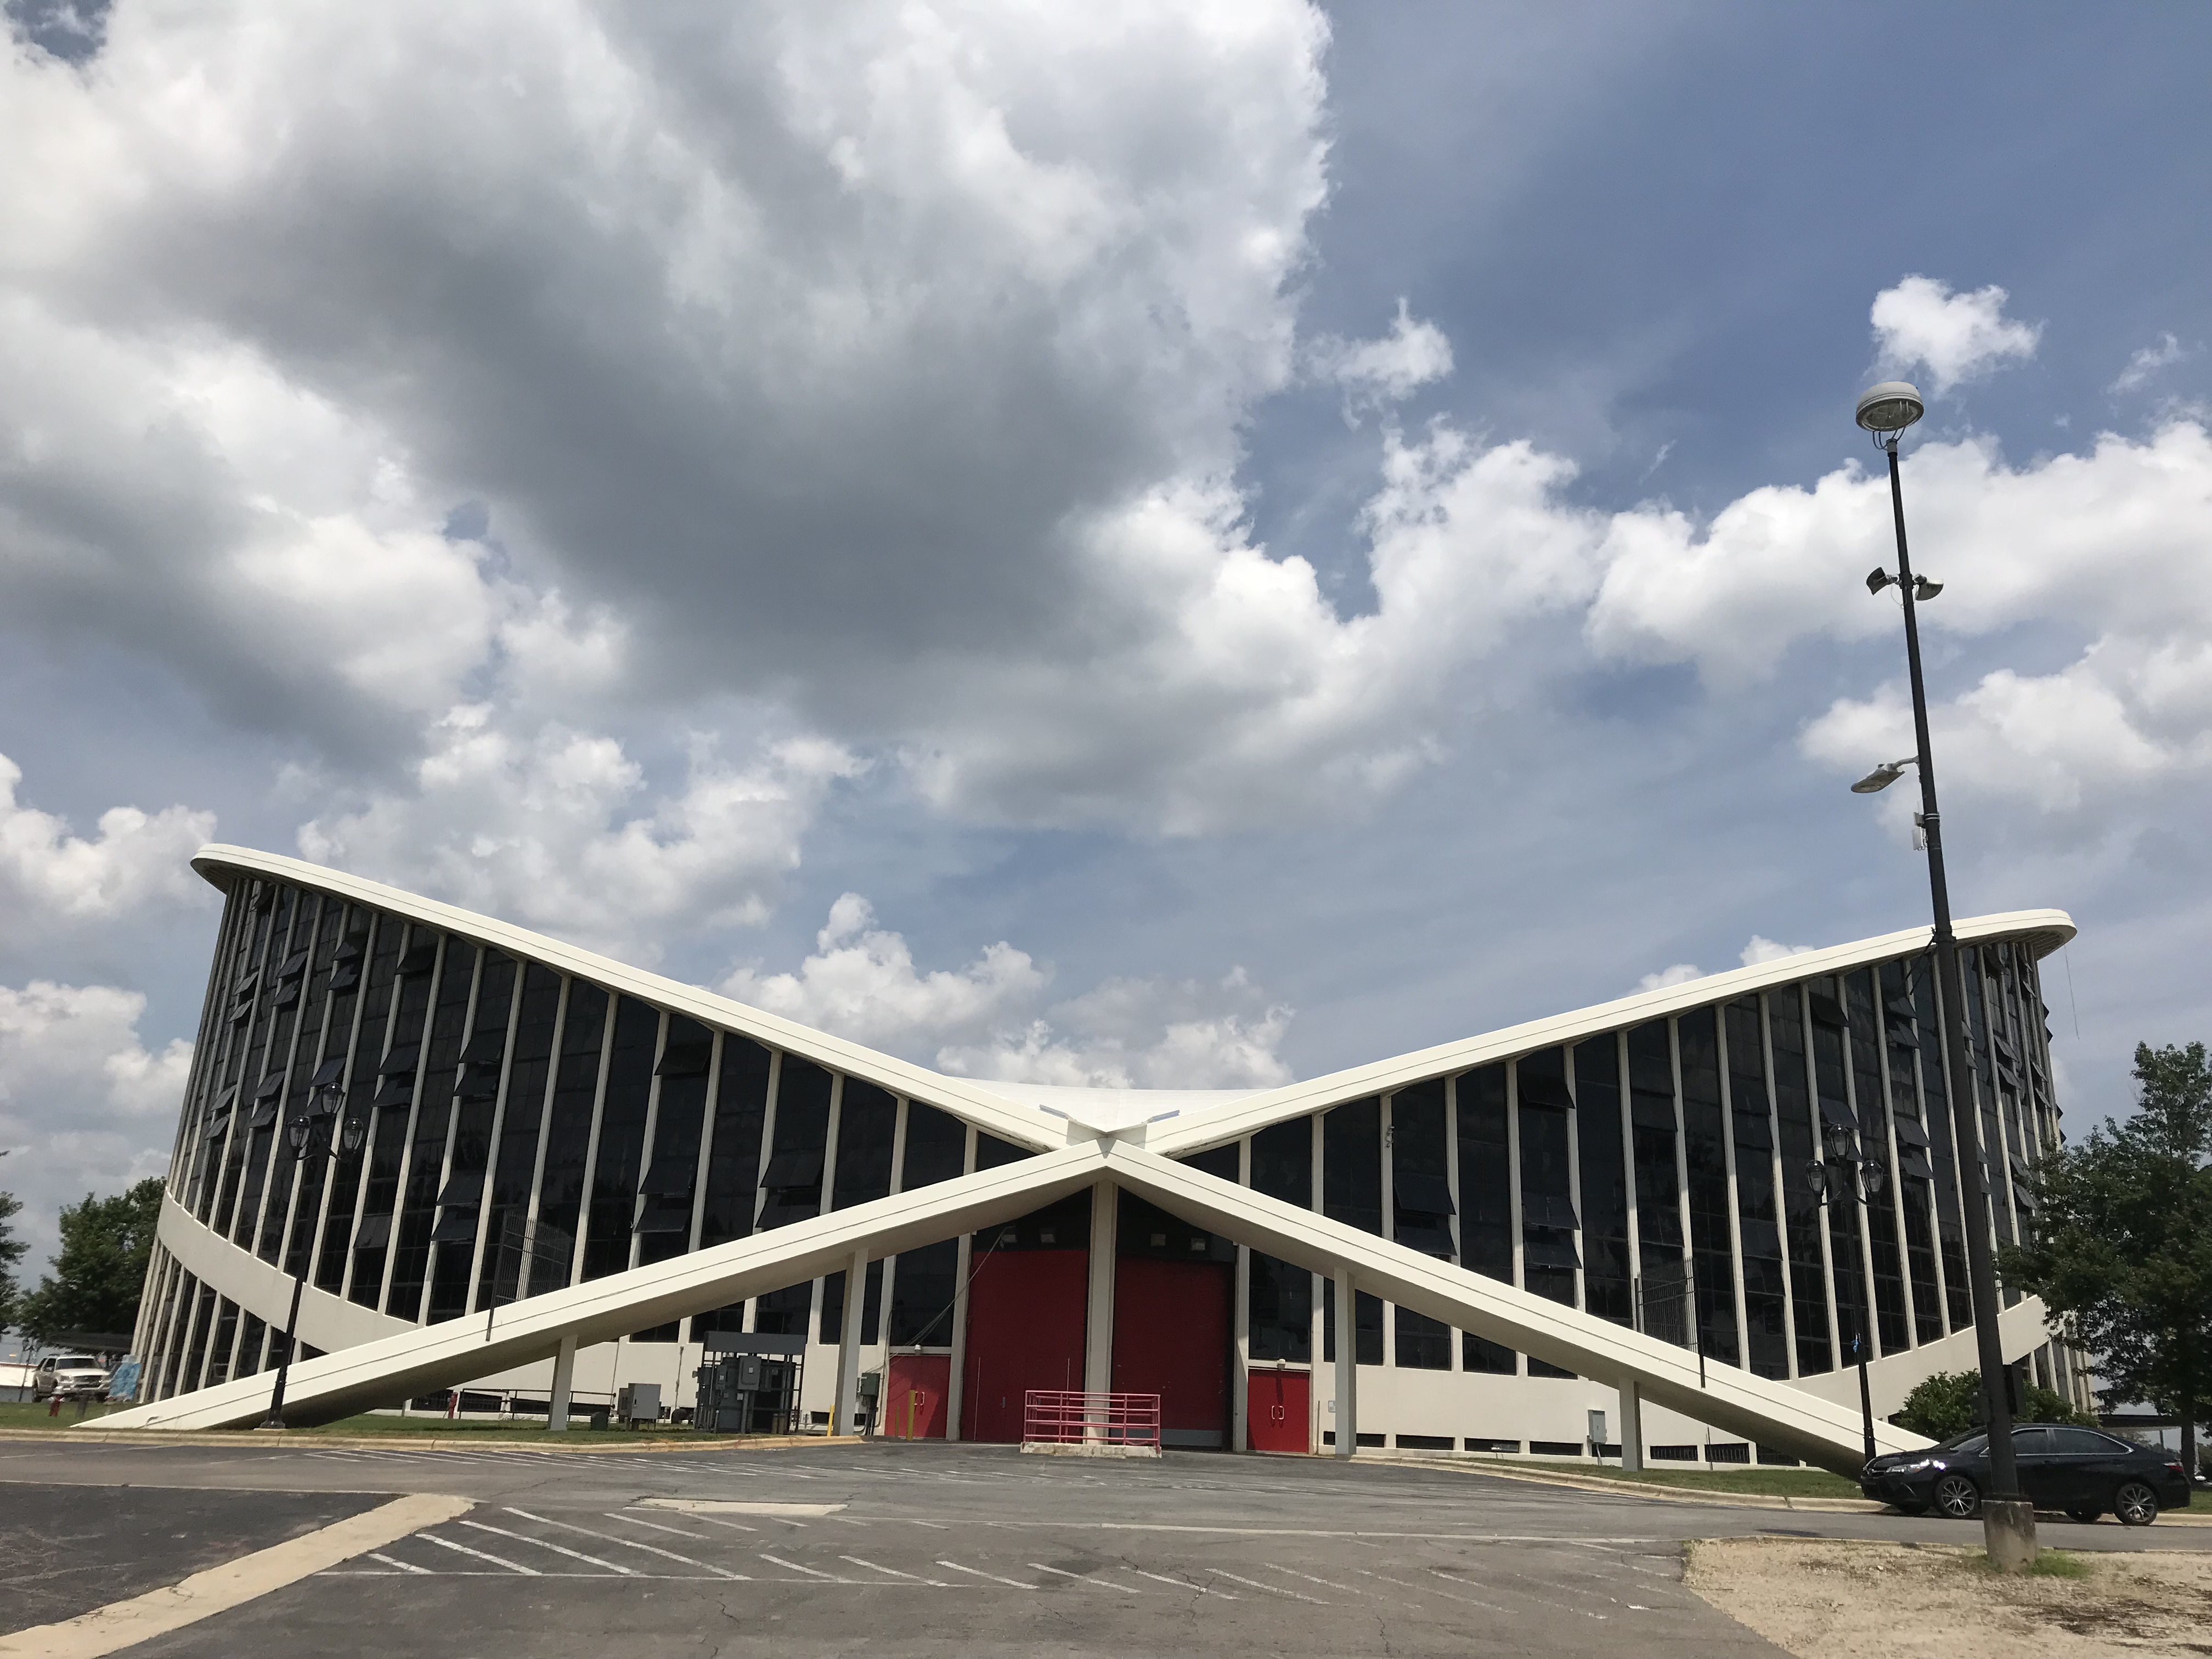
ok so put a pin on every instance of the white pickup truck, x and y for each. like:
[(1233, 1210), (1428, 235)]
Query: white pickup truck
[(72, 1375)]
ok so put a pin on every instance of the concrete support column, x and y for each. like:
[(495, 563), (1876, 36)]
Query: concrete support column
[(564, 1383), (1632, 1425), (1098, 1318), (845, 1418), (1347, 1364)]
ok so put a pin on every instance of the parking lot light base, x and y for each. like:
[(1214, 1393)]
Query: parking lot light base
[(2008, 1533)]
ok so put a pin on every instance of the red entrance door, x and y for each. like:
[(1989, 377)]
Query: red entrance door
[(1025, 1318), (1171, 1338), (1276, 1411), (915, 1386)]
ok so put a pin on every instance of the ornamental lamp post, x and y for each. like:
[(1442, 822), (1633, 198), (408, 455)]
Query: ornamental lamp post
[(1845, 1175), (2007, 1518), (310, 1134)]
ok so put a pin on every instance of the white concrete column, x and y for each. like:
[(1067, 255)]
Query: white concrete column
[(565, 1383), (1098, 1318), (1347, 1364), (1632, 1425), (845, 1416)]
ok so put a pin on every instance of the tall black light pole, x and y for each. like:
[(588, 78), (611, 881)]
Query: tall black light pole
[(1845, 1175), (2008, 1519), (310, 1134)]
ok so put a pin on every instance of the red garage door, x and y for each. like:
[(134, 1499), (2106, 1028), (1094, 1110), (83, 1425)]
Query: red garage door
[(1171, 1338), (1025, 1318)]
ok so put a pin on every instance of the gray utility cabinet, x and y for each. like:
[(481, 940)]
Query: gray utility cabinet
[(750, 1384)]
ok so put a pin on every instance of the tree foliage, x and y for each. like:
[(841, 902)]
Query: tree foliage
[(100, 1270), (1950, 1402), (11, 1252), (2122, 1247)]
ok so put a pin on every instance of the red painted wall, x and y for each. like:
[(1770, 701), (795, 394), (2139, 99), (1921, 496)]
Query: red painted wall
[(1025, 1320), (905, 1417), (1277, 1405), (1171, 1338)]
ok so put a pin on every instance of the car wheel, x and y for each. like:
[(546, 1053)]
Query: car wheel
[(2085, 1517), (2136, 1504), (1958, 1498)]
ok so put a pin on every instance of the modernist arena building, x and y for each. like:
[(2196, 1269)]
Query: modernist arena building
[(574, 1174)]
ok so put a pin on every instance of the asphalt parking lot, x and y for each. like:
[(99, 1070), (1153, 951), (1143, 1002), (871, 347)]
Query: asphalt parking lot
[(929, 1549)]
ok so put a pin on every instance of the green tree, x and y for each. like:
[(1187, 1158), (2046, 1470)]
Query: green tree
[(2122, 1249), (100, 1270), (11, 1252), (1950, 1402)]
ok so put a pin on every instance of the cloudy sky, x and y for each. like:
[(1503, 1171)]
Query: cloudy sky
[(1187, 543)]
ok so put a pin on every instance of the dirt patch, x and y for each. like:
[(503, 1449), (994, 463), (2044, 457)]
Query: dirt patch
[(1851, 1600)]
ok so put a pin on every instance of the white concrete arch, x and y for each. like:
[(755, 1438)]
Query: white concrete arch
[(419, 1360)]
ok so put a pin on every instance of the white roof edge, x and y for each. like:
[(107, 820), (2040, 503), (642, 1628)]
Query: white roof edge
[(986, 1109), (2045, 931)]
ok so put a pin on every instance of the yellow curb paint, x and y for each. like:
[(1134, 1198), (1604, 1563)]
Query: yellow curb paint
[(123, 1624)]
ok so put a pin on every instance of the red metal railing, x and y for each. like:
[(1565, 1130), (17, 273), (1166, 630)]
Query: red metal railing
[(1066, 1416)]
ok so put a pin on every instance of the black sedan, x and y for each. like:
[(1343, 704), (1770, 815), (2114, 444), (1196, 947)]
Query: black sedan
[(2083, 1472)]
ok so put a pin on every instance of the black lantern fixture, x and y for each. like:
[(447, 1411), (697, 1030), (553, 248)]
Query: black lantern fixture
[(321, 1127)]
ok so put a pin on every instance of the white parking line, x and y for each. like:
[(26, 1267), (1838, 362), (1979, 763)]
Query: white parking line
[(734, 1526), (1351, 1590), (617, 1515), (1463, 1584), (1012, 1583), (1203, 1590), (1272, 1590), (934, 1526), (546, 1544), (795, 1567), (627, 1543), (1430, 1590), (392, 1561), (1103, 1584), (481, 1555), (935, 1583)]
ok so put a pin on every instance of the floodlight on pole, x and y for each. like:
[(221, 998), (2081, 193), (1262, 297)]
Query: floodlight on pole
[(1889, 408), (1883, 776)]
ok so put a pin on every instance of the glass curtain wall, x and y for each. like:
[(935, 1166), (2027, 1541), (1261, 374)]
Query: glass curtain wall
[(514, 1108)]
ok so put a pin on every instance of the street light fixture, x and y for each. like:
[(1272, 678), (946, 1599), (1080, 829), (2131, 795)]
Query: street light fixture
[(1844, 1175), (2008, 1519), (323, 1127)]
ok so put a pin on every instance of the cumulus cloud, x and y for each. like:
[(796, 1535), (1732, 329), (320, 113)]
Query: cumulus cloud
[(861, 983), (2147, 361), (52, 878), (1762, 950), (987, 1020), (1373, 373), (1957, 336), (552, 828), (2106, 544), (884, 368), (84, 1104)]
